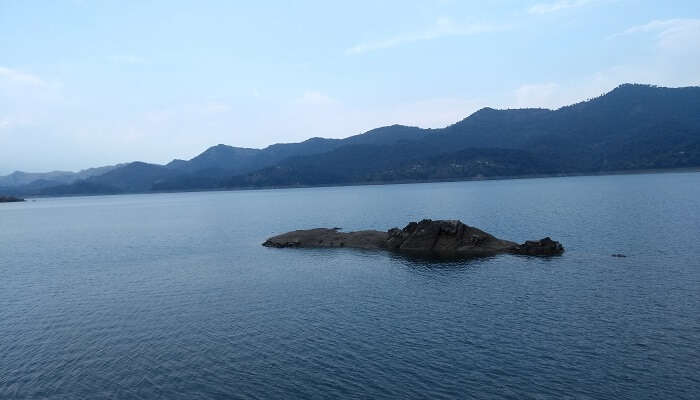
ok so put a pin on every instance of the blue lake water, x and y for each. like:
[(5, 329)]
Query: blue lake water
[(172, 296)]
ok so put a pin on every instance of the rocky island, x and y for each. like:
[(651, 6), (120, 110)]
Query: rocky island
[(441, 238), (9, 199)]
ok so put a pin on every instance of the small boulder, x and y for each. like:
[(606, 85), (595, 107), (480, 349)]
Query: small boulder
[(542, 247)]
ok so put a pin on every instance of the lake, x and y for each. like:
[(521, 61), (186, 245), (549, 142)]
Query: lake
[(172, 295)]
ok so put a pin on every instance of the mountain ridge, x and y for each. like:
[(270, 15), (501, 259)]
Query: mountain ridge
[(634, 126)]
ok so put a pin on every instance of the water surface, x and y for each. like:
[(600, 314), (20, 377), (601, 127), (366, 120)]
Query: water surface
[(172, 296)]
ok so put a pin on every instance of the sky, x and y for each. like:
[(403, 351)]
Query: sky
[(90, 83)]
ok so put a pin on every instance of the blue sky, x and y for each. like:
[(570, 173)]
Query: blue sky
[(89, 83)]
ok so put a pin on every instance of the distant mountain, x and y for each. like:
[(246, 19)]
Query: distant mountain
[(632, 127), (217, 164), (407, 162), (218, 157), (237, 160), (20, 178), (133, 177), (28, 183)]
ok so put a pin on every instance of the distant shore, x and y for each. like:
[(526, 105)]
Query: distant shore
[(399, 182), (10, 199)]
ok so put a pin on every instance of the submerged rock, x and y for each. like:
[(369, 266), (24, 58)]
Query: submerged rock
[(442, 238)]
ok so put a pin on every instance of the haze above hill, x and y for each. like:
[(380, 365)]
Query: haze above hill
[(78, 89)]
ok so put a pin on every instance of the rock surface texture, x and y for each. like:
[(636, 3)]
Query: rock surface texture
[(442, 238)]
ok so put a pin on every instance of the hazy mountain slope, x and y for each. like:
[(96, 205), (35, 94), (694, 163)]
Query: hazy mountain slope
[(43, 179), (214, 166), (631, 127), (409, 161), (236, 160), (19, 178), (346, 164), (79, 188), (218, 157), (132, 177), (594, 134)]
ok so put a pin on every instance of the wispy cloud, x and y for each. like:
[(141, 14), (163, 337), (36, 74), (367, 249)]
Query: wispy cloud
[(550, 7), (676, 33), (665, 26), (315, 98), (5, 123), (19, 77), (443, 27), (128, 59)]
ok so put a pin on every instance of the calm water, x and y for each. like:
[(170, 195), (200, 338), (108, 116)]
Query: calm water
[(171, 295)]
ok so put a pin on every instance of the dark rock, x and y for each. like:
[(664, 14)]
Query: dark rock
[(323, 237), (542, 247), (442, 238), (445, 238)]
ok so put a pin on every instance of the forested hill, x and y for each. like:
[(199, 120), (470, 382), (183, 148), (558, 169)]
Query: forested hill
[(632, 127)]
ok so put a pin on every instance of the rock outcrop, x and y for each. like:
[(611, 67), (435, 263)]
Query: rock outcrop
[(441, 238), (326, 237)]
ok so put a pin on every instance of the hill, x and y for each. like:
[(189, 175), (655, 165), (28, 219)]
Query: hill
[(632, 127)]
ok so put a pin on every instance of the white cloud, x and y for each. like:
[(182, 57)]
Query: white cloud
[(673, 51), (545, 8), (671, 58), (663, 25), (547, 95), (19, 77), (443, 27), (671, 34)]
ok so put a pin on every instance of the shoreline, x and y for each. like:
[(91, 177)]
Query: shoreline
[(398, 182), (11, 199)]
